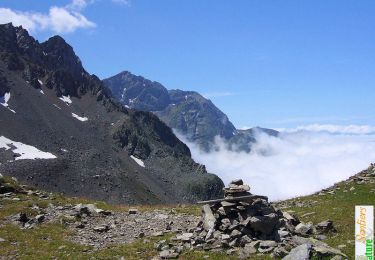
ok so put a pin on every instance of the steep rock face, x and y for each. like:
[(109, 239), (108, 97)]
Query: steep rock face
[(196, 117), (138, 92), (186, 111), (104, 150)]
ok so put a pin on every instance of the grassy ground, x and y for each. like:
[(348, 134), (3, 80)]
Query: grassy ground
[(49, 241), (338, 207)]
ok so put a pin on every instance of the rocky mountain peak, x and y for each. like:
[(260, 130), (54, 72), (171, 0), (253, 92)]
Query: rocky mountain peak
[(95, 146)]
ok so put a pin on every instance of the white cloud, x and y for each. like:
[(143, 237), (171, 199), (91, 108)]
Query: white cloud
[(59, 19), (297, 163), (79, 4), (122, 2), (334, 129)]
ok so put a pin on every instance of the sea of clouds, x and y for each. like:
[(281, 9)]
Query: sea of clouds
[(299, 162)]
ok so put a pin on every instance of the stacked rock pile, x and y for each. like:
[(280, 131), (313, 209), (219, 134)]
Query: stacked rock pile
[(248, 224), (242, 218)]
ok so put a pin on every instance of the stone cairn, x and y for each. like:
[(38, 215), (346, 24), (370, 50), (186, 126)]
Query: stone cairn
[(240, 219), (248, 224)]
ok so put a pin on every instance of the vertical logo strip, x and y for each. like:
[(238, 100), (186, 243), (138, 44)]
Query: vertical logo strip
[(364, 232)]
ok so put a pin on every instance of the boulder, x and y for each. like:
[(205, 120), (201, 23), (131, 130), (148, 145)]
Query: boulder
[(304, 229), (247, 251), (168, 254), (264, 224), (185, 237), (301, 252), (209, 219), (324, 251), (325, 227)]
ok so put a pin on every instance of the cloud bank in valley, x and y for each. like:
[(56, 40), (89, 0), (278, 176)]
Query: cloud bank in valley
[(297, 163)]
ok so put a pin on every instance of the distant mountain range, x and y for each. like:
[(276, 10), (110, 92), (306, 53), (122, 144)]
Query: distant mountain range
[(97, 148), (188, 112)]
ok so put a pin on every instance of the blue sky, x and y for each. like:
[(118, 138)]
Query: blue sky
[(269, 63)]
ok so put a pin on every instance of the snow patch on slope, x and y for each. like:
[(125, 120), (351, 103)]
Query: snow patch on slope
[(66, 99), (83, 119), (26, 151), (139, 161), (4, 101)]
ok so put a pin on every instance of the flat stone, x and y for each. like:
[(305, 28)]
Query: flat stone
[(283, 233), (227, 204), (157, 234), (2, 240), (265, 250), (225, 236), (235, 234), (185, 237), (267, 243), (301, 252), (168, 254), (304, 229), (102, 228), (303, 240), (133, 211), (237, 182), (327, 251)]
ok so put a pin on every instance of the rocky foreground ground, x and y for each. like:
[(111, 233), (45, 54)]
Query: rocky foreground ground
[(40, 225)]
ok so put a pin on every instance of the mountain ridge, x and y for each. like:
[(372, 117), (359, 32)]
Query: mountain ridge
[(191, 114), (71, 114)]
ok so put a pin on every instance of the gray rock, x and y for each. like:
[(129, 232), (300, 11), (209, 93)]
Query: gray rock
[(279, 252), (304, 229), (301, 252), (21, 217), (209, 219), (235, 234), (185, 237), (168, 254), (264, 224), (267, 244), (247, 251), (40, 218), (157, 234), (159, 245), (321, 237), (327, 251), (292, 219), (245, 240), (237, 182), (133, 211), (297, 240), (2, 240), (283, 233), (325, 227), (225, 237), (101, 228), (234, 242), (227, 204)]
